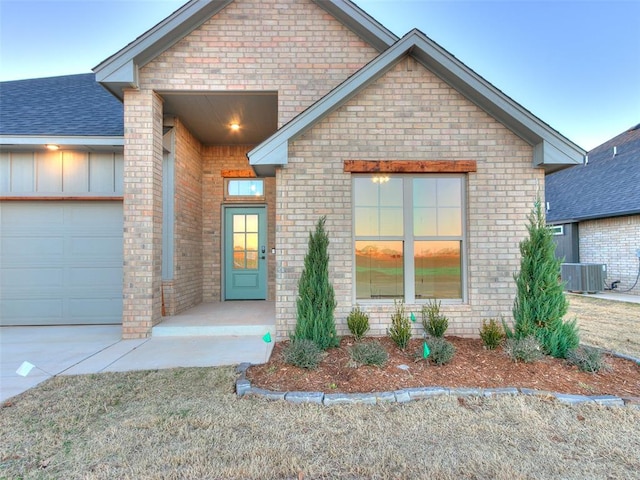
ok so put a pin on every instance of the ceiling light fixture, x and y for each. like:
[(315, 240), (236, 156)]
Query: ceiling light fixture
[(52, 147), (234, 127)]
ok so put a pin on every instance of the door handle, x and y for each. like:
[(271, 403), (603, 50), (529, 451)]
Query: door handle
[(262, 251)]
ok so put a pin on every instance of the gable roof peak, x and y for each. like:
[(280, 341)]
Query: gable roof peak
[(120, 70)]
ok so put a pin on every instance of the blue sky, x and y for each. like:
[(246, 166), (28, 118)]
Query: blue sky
[(574, 64)]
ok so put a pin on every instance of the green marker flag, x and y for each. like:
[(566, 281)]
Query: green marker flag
[(267, 337), (413, 317), (425, 350)]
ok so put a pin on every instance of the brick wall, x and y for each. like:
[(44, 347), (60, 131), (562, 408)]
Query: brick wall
[(408, 114), (291, 47), (214, 160), (614, 242), (187, 258), (142, 208)]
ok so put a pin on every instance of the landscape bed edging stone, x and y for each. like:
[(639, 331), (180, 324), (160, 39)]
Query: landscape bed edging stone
[(244, 388)]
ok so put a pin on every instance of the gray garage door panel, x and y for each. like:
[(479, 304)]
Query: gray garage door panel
[(60, 263)]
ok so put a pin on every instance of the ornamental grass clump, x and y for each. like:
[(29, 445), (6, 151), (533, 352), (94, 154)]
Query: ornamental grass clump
[(370, 353), (358, 323), (400, 329), (491, 334), (303, 353), (434, 323), (587, 359), (525, 349), (441, 350)]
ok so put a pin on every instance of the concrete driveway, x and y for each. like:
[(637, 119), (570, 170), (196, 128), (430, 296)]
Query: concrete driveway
[(74, 350)]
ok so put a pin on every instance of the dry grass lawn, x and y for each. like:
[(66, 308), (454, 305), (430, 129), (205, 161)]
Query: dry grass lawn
[(187, 423), (607, 324)]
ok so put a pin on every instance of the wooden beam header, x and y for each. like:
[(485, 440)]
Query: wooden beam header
[(243, 173), (410, 166)]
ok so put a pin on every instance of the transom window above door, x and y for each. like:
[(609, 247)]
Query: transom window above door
[(409, 237), (244, 188)]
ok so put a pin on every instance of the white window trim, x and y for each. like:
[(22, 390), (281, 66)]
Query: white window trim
[(408, 242)]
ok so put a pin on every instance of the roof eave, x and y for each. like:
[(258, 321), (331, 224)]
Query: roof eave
[(597, 216), (552, 151), (359, 22), (73, 142), (121, 69)]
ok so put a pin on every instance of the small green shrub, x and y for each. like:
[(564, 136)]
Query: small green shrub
[(434, 323), (491, 334), (303, 353), (525, 349), (400, 329), (587, 359), (370, 353), (560, 341), (358, 323), (442, 350)]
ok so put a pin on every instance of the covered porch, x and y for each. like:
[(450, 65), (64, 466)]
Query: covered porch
[(232, 318)]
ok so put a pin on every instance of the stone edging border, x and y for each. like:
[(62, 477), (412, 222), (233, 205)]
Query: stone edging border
[(243, 387)]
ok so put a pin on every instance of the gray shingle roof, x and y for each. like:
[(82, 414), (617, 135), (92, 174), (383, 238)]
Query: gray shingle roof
[(59, 106), (607, 186)]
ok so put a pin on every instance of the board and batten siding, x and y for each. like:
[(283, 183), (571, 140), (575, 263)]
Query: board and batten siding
[(61, 173)]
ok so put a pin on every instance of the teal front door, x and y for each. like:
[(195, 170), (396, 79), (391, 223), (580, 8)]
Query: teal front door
[(245, 257)]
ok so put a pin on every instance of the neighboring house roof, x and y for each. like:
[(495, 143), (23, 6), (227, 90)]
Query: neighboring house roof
[(121, 69), (551, 150), (72, 111), (606, 185)]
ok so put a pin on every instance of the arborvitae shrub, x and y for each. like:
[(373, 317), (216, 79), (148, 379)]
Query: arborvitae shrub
[(540, 304), (400, 329), (491, 334), (316, 299), (434, 323), (369, 353), (303, 353), (441, 350), (358, 323)]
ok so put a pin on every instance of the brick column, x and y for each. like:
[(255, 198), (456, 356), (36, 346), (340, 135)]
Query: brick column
[(142, 298)]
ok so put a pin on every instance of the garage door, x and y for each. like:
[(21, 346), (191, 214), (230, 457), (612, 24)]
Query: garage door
[(60, 263)]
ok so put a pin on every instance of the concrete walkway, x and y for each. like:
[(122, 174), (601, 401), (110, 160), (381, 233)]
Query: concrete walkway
[(613, 296), (73, 350)]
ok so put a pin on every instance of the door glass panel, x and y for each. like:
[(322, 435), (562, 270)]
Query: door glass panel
[(238, 242), (238, 259), (252, 242), (245, 242), (252, 223), (252, 260), (238, 223)]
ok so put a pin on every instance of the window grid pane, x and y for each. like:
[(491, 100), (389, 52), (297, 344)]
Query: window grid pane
[(438, 269), (379, 269)]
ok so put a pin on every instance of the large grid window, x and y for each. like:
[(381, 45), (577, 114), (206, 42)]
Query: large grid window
[(409, 236)]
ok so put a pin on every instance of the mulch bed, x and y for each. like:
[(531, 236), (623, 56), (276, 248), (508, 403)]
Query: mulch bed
[(472, 366)]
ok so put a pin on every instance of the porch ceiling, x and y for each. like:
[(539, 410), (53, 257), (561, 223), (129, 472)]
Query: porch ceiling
[(208, 115)]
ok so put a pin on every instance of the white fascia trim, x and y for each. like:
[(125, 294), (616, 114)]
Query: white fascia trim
[(61, 140)]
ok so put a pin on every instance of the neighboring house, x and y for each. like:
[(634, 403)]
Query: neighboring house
[(247, 120), (595, 208)]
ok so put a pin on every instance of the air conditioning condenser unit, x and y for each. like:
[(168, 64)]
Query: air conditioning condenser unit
[(583, 277)]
